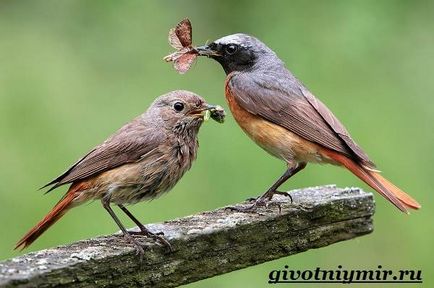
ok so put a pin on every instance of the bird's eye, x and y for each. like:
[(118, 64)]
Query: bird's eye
[(178, 106), (231, 49)]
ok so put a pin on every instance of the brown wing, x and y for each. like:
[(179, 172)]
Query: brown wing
[(183, 31), (283, 100), (129, 144), (184, 62), (337, 126)]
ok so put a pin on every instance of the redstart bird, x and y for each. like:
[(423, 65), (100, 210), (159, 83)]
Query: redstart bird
[(141, 161), (285, 119)]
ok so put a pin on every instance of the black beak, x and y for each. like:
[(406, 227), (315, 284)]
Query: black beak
[(205, 50), (202, 110)]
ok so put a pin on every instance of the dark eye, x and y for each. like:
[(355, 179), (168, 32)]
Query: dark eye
[(231, 49), (178, 106)]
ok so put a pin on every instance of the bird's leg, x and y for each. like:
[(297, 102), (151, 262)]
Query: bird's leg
[(144, 231), (267, 196), (139, 249), (291, 171)]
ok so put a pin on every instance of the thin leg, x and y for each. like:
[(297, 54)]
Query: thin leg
[(273, 189), (106, 204), (267, 196), (144, 230), (291, 171)]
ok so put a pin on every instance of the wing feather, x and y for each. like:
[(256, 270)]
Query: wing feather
[(286, 102), (127, 145)]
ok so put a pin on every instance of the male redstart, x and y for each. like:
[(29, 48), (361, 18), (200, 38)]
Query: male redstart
[(141, 161), (284, 118)]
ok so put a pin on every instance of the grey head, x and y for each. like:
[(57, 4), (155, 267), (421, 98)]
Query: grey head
[(240, 52), (179, 111)]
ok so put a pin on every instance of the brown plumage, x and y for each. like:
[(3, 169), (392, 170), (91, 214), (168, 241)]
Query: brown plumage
[(284, 118), (141, 161)]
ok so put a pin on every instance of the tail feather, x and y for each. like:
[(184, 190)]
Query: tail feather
[(396, 196), (55, 214), (406, 199)]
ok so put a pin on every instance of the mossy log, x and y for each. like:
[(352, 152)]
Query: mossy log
[(205, 245)]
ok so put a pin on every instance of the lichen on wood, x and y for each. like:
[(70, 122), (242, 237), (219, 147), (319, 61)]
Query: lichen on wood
[(206, 244)]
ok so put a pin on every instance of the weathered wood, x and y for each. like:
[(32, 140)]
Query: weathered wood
[(207, 244)]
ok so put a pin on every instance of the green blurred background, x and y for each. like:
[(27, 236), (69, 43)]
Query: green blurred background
[(72, 72)]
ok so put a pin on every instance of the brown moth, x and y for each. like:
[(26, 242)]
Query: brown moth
[(180, 38)]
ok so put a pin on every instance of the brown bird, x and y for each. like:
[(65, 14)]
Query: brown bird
[(284, 118), (141, 161)]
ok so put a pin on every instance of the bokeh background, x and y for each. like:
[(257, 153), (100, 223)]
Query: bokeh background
[(72, 72)]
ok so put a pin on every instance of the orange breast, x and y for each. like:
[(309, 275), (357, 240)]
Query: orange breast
[(273, 138)]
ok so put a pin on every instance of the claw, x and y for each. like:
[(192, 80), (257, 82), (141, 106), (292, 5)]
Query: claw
[(286, 194), (158, 237), (249, 209), (139, 249), (252, 199), (270, 204), (163, 241), (259, 202), (262, 201)]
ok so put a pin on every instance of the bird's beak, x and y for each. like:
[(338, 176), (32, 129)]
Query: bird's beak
[(205, 50), (204, 111)]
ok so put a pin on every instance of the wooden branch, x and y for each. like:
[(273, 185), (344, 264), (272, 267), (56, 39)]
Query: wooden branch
[(206, 244)]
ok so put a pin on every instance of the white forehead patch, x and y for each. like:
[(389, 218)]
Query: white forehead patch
[(238, 39)]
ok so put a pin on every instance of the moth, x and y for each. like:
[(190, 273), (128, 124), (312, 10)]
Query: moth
[(180, 38)]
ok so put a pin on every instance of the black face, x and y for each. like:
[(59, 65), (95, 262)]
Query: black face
[(233, 57)]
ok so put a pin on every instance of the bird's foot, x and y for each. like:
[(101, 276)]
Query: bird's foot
[(261, 201), (139, 249), (251, 208), (286, 194), (252, 199), (257, 204), (158, 237)]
